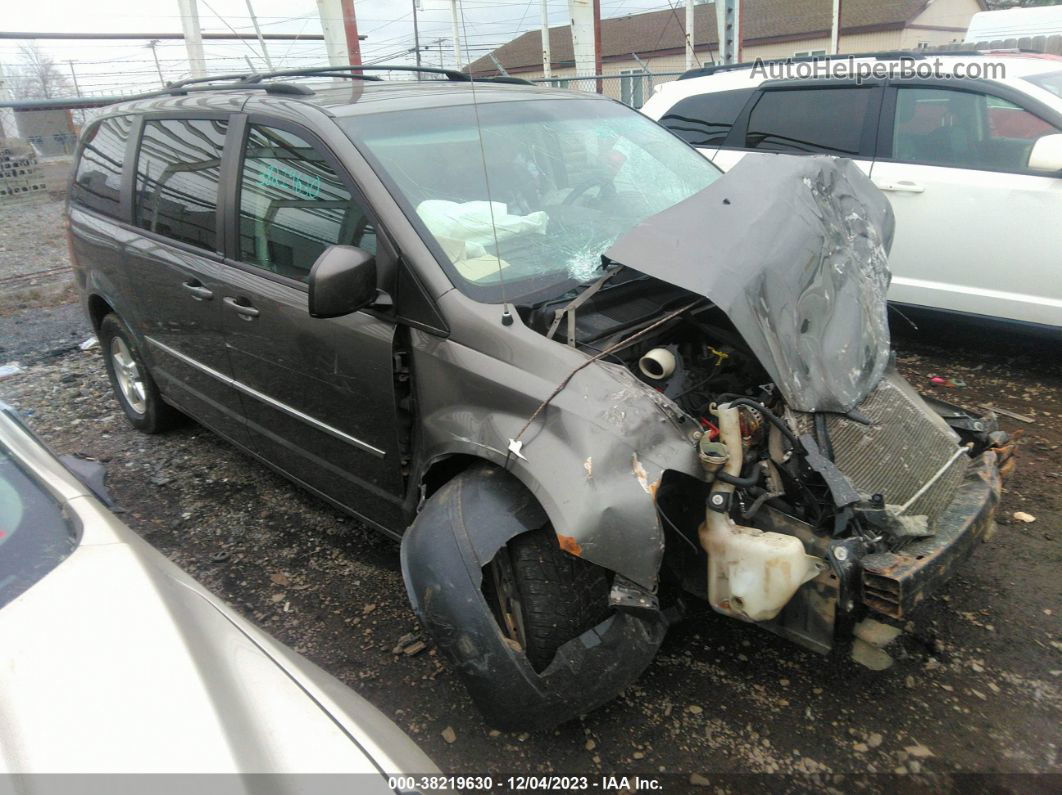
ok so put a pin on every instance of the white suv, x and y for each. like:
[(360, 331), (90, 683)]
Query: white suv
[(972, 166)]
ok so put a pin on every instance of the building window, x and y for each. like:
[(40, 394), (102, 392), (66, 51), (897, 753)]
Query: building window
[(809, 54), (634, 87)]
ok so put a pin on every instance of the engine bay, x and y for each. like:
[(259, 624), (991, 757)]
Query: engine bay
[(810, 494)]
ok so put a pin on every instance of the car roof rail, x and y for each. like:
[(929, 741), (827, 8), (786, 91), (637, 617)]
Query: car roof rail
[(261, 81), (882, 55), (349, 71)]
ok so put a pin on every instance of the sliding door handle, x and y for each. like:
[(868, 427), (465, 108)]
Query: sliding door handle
[(198, 291), (243, 310)]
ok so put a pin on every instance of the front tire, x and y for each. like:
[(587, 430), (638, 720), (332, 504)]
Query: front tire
[(542, 596), (136, 390)]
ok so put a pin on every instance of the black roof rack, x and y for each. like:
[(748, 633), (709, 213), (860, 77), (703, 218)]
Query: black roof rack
[(348, 71), (883, 55), (261, 81)]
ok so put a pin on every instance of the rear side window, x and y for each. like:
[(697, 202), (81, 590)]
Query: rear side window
[(293, 205), (98, 179), (824, 120), (177, 174), (706, 119)]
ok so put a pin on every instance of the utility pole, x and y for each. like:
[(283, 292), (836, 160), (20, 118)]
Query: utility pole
[(689, 35), (350, 27), (416, 34), (5, 94), (728, 24), (193, 37), (597, 45), (457, 33), (586, 38), (835, 29), (73, 75), (258, 32), (340, 28), (547, 58), (153, 44)]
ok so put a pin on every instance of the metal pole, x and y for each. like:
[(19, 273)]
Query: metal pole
[(497, 65), (597, 45), (116, 36), (258, 32), (73, 74), (153, 44), (350, 26), (416, 34), (547, 58), (835, 29), (457, 33), (689, 34), (193, 37)]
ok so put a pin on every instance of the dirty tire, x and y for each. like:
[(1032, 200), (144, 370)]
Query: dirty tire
[(156, 415), (561, 596)]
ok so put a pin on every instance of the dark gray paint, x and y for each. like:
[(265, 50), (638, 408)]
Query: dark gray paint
[(795, 251)]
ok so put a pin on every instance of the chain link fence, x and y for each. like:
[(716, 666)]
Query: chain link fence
[(633, 87)]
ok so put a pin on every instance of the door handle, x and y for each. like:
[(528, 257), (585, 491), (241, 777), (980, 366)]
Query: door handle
[(198, 291), (903, 186), (243, 310)]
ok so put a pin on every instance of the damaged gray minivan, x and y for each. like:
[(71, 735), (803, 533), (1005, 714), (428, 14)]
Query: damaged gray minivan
[(547, 345)]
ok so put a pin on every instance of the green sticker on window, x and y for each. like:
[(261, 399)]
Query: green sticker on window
[(287, 178)]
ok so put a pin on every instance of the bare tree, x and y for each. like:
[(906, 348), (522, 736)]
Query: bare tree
[(37, 77)]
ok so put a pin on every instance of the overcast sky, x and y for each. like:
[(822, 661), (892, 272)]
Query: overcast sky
[(112, 66)]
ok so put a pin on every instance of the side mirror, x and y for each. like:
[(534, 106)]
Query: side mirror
[(343, 280), (1046, 154)]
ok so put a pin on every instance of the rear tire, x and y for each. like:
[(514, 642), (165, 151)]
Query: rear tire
[(542, 596), (133, 386)]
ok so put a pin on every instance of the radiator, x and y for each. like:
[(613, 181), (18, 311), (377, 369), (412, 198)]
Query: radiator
[(903, 448)]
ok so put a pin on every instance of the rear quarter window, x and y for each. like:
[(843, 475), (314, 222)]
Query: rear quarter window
[(810, 121), (706, 119), (98, 178)]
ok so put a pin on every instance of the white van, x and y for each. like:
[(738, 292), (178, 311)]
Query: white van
[(967, 147), (1014, 23)]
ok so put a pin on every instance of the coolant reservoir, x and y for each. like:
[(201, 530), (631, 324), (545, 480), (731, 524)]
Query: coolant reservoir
[(752, 574)]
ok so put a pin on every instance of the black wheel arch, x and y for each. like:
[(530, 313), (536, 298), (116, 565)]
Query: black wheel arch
[(458, 531)]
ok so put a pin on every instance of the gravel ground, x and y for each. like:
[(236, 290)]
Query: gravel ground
[(975, 688), (31, 236)]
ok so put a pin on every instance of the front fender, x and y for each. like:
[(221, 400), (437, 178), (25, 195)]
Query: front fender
[(457, 533), (593, 459)]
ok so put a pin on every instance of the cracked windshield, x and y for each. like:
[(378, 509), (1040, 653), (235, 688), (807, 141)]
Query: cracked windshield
[(525, 202)]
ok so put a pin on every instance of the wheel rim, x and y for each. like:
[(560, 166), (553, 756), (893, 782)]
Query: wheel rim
[(127, 373), (508, 608)]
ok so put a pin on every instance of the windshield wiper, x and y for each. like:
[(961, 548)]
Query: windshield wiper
[(584, 296)]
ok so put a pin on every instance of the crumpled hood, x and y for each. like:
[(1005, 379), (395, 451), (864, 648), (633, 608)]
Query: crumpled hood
[(794, 251)]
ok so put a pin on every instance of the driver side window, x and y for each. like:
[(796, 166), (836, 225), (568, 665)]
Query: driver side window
[(293, 205)]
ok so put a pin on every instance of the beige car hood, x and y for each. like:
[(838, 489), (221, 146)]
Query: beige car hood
[(118, 662)]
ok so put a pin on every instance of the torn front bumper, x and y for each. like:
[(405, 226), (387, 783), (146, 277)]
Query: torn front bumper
[(894, 583)]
